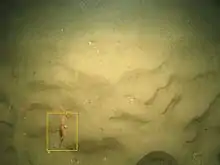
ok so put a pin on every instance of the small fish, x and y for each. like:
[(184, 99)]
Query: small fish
[(62, 129)]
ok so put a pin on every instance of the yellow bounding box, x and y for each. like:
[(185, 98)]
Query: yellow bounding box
[(53, 140)]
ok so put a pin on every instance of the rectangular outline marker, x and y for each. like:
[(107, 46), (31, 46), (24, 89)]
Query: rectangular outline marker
[(77, 131)]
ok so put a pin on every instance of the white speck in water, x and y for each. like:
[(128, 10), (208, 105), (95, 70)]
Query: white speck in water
[(131, 99), (105, 158), (62, 30), (90, 43)]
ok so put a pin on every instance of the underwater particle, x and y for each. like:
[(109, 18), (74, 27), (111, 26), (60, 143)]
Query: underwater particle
[(90, 43), (105, 158)]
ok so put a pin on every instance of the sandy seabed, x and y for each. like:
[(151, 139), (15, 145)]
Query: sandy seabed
[(141, 81)]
